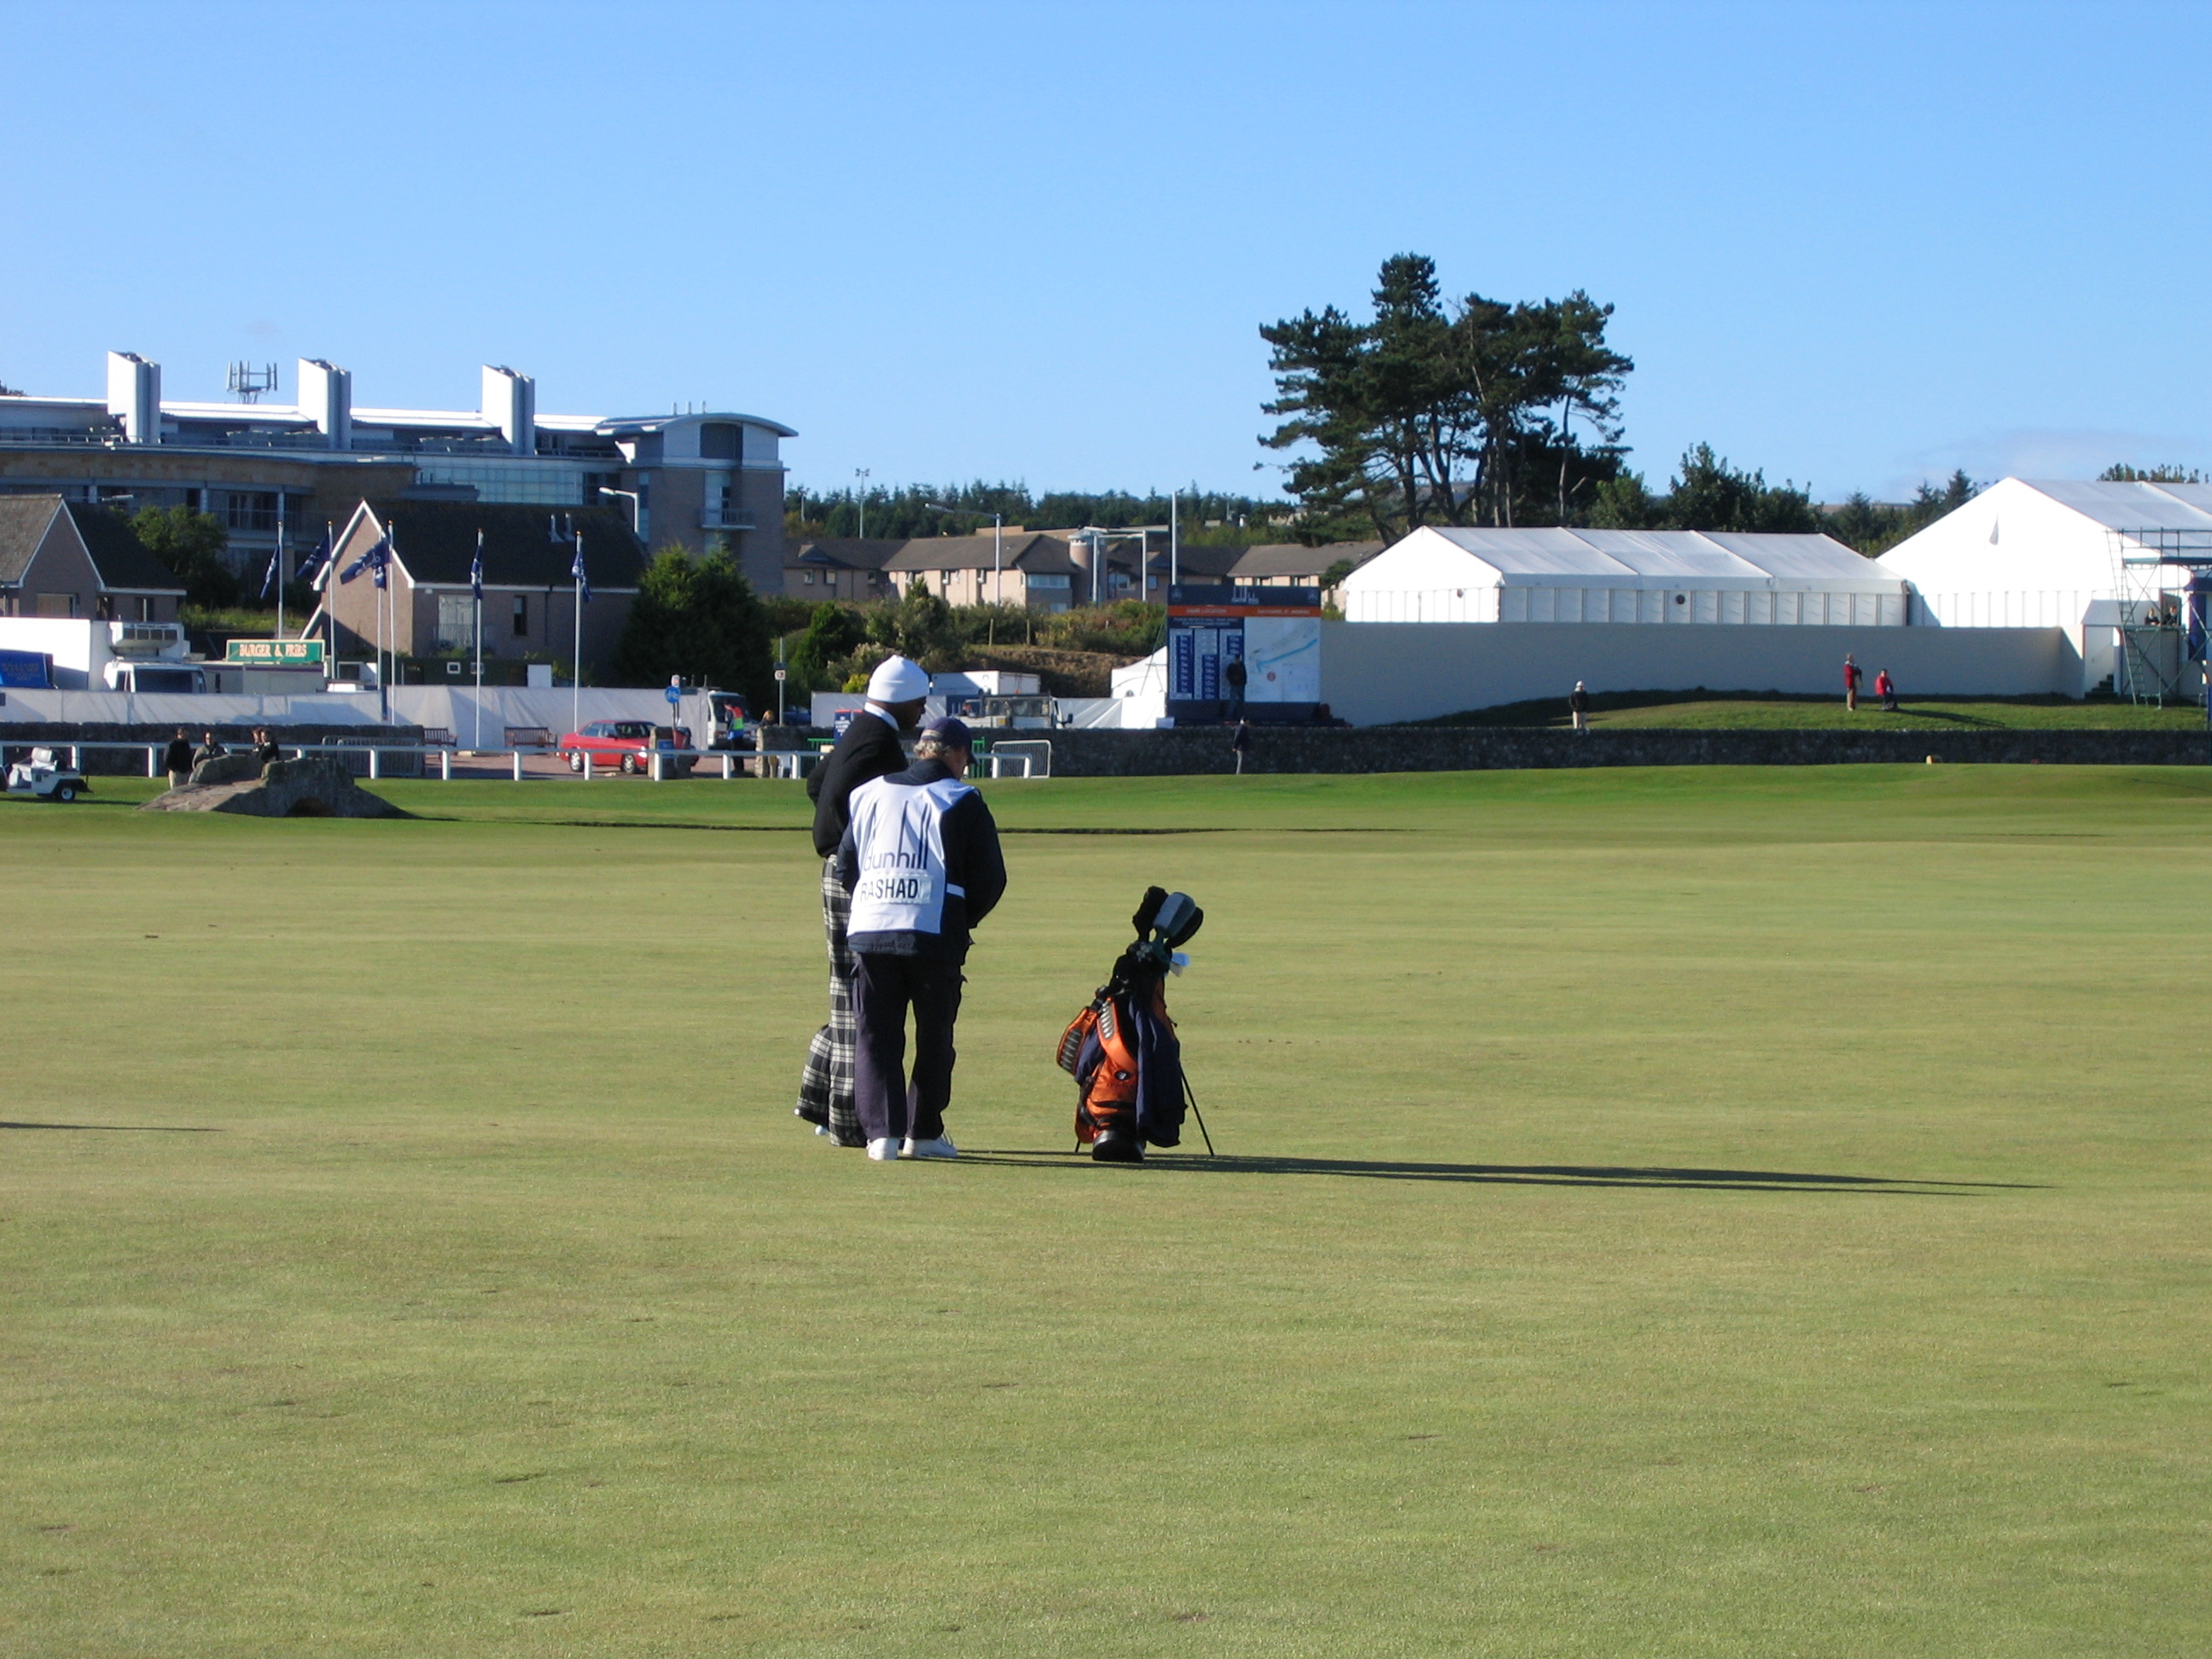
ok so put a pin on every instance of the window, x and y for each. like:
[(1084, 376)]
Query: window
[(57, 604), (457, 622), (720, 440), (145, 610), (521, 614), (249, 509), (809, 579)]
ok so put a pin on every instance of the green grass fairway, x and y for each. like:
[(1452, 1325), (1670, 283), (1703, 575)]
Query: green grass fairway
[(1685, 1213)]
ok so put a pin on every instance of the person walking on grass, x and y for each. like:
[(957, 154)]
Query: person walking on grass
[(1578, 706), (1850, 684), (1886, 689), (177, 760), (920, 857), (869, 750)]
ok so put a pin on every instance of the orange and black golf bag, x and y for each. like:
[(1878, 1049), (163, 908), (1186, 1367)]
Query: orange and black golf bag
[(1122, 1050)]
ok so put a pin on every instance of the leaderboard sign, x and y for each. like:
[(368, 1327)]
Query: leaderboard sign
[(1273, 632)]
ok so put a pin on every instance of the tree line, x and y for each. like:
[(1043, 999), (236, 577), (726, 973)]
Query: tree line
[(1476, 410), (907, 511)]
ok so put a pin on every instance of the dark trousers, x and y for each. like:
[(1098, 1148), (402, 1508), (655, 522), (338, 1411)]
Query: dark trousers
[(884, 987)]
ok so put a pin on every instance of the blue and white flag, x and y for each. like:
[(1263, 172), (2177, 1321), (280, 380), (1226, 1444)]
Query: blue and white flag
[(476, 570), (576, 569), (374, 560), (311, 569), (269, 576)]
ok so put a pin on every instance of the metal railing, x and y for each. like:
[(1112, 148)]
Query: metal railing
[(997, 763), (725, 518)]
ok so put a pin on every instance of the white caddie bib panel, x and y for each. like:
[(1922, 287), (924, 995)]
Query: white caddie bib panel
[(898, 830)]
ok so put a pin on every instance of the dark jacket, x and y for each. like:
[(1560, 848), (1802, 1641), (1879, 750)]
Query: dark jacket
[(972, 861), (178, 756), (1578, 703), (869, 749)]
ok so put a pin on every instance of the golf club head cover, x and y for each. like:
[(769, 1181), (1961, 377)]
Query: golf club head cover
[(1148, 908)]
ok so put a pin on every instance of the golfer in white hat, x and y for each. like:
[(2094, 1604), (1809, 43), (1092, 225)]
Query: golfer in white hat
[(870, 749)]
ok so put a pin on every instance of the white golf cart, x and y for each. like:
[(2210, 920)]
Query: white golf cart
[(45, 778)]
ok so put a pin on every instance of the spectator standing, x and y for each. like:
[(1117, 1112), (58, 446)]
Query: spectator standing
[(1241, 743), (920, 857), (264, 746), (869, 750), (208, 749), (1886, 689), (1851, 683), (1236, 677), (177, 760), (1578, 706)]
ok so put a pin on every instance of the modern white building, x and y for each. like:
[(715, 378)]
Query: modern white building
[(2038, 553), (1546, 576), (697, 479)]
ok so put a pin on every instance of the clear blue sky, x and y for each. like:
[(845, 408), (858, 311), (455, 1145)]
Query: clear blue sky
[(1853, 244)]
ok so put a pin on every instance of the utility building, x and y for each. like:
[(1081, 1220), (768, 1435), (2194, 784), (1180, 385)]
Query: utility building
[(1557, 575)]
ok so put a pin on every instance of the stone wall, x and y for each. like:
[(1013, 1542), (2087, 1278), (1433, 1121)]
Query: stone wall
[(1192, 749)]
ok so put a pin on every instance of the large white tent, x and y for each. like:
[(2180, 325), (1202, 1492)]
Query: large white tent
[(1546, 576), (2038, 553)]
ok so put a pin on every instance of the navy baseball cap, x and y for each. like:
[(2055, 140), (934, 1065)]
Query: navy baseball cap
[(949, 733)]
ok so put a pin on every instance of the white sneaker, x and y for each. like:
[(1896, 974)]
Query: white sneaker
[(940, 1147), (885, 1150)]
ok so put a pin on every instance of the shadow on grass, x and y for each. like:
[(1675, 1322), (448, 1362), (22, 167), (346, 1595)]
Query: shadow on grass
[(121, 1129), (1511, 1174)]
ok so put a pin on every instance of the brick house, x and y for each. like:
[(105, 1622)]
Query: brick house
[(529, 593), (60, 558)]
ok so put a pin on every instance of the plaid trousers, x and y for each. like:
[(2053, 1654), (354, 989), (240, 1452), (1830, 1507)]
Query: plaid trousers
[(825, 1084)]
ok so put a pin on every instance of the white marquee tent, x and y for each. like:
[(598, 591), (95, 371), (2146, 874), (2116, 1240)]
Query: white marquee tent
[(2037, 554), (1446, 575)]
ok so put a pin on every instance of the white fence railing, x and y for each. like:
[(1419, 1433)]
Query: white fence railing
[(1033, 759)]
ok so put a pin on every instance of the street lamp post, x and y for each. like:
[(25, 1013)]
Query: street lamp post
[(861, 497), (636, 508), (998, 562)]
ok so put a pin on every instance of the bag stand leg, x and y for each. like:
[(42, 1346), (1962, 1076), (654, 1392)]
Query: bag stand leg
[(1200, 1115)]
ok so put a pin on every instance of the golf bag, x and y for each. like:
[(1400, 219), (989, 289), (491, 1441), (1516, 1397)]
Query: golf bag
[(1122, 1050)]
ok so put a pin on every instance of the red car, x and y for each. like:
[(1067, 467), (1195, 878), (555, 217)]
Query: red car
[(626, 745)]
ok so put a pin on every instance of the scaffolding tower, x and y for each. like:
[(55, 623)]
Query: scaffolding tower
[(2162, 578)]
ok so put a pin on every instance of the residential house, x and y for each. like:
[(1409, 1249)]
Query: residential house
[(65, 559), (1021, 568), (838, 568), (530, 600)]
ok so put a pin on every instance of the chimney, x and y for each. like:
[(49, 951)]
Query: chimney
[(326, 398), (134, 394), (510, 401)]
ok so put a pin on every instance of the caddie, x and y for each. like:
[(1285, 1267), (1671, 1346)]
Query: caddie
[(869, 749), (921, 858)]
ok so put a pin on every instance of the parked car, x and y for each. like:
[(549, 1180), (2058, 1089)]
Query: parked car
[(45, 778), (626, 745)]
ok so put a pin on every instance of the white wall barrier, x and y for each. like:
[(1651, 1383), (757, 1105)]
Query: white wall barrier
[(1373, 673)]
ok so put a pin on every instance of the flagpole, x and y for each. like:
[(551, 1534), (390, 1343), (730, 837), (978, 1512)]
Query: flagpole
[(475, 585), (576, 665), (280, 564)]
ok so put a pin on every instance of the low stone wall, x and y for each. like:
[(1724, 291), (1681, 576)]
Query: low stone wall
[(1198, 750), (19, 738)]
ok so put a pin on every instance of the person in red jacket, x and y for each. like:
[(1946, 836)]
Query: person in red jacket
[(1886, 689), (1851, 683)]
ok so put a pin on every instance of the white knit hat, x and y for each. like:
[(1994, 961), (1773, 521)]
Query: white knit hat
[(897, 679)]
